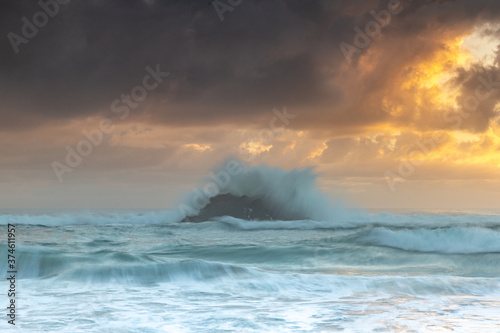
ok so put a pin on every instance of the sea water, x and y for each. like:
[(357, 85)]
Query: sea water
[(148, 272)]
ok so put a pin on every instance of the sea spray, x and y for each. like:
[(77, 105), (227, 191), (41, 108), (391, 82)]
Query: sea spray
[(263, 193)]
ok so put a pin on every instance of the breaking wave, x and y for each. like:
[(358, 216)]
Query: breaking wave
[(265, 193)]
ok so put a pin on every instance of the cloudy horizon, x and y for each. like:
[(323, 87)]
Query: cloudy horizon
[(393, 103)]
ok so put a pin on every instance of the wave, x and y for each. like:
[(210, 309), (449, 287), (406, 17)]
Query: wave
[(107, 266), (357, 221), (187, 270), (466, 234), (86, 218), (126, 269), (264, 193), (114, 267), (442, 240), (345, 221)]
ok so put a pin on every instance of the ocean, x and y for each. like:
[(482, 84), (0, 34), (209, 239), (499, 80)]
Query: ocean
[(266, 252), (125, 271)]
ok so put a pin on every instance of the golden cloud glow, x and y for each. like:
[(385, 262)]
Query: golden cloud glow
[(198, 147), (318, 152), (427, 84), (255, 147), (428, 78)]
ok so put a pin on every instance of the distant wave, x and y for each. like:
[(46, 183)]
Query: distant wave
[(400, 224), (443, 240), (364, 220), (81, 217), (466, 234)]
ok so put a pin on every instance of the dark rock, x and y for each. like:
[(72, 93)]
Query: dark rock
[(242, 207)]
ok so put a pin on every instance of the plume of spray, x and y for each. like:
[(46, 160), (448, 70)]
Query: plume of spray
[(287, 193)]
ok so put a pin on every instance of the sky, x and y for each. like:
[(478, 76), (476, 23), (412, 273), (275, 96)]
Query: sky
[(130, 104)]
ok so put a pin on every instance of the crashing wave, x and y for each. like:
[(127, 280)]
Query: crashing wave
[(265, 193)]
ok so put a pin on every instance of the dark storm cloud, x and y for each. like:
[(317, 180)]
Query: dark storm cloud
[(479, 95), (91, 52), (264, 54)]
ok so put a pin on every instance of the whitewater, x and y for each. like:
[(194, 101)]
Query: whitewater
[(330, 269)]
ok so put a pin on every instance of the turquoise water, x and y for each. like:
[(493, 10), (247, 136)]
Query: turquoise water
[(145, 272)]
